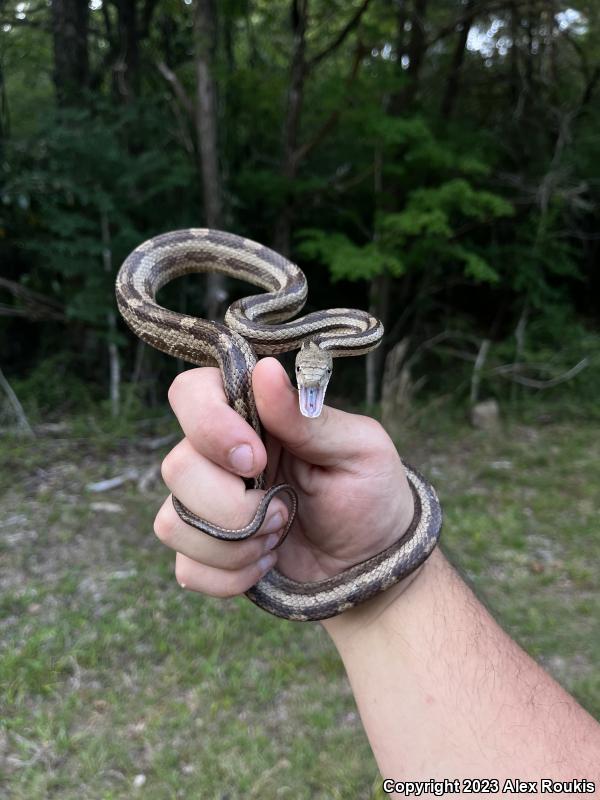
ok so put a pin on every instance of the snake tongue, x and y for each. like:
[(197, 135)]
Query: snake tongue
[(311, 400)]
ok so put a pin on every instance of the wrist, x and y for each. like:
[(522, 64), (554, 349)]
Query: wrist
[(388, 608)]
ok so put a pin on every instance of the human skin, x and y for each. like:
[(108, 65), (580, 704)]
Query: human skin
[(443, 692)]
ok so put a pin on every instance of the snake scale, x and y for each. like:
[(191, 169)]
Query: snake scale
[(257, 325)]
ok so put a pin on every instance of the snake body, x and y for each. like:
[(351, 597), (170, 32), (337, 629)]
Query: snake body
[(257, 325)]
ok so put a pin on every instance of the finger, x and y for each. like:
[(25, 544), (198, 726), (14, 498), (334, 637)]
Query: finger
[(335, 438), (218, 432), (211, 492), (174, 533), (219, 582)]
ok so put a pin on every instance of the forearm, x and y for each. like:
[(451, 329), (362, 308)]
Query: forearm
[(443, 692)]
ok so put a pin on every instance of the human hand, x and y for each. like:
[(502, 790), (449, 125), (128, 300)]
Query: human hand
[(353, 495)]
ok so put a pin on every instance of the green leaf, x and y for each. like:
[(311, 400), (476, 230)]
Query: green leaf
[(476, 267), (345, 259)]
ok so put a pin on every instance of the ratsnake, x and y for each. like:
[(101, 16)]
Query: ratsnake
[(256, 325)]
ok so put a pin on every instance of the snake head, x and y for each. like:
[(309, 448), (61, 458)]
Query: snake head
[(313, 371)]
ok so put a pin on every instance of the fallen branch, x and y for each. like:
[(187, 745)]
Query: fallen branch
[(510, 371), (112, 483), (431, 344), (36, 306), (160, 441)]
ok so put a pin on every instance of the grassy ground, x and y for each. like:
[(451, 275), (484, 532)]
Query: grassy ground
[(116, 684)]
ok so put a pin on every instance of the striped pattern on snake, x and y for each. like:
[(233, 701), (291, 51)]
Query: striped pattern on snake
[(257, 325)]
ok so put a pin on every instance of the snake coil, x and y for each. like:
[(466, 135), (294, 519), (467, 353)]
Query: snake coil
[(257, 325)]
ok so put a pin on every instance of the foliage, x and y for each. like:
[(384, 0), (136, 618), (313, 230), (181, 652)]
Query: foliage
[(427, 233), (347, 260), (468, 179), (53, 389), (81, 174)]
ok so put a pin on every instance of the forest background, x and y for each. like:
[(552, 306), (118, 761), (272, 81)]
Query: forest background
[(437, 162)]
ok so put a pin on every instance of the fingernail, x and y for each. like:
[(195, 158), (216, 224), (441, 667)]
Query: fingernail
[(266, 562), (271, 541), (274, 524), (241, 458)]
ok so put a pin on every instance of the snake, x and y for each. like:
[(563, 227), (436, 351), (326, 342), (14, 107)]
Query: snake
[(256, 325)]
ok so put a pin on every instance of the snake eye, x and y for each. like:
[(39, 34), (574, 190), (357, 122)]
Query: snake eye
[(297, 369)]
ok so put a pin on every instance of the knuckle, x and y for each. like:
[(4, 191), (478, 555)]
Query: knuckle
[(164, 525), (173, 465), (376, 435), (373, 427)]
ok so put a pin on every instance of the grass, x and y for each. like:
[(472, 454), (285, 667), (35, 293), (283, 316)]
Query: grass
[(115, 683)]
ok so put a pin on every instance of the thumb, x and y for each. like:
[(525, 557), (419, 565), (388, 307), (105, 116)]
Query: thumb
[(325, 440)]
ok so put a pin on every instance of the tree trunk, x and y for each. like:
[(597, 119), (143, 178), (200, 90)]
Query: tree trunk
[(205, 35), (111, 320), (292, 154), (230, 164), (283, 225), (452, 84), (70, 20), (416, 50), (400, 8), (514, 54), (4, 115), (127, 66), (520, 344), (379, 294), (528, 98)]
